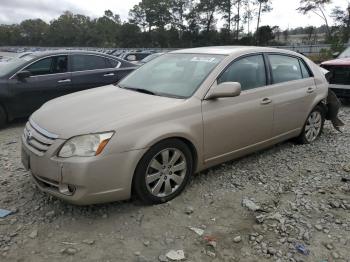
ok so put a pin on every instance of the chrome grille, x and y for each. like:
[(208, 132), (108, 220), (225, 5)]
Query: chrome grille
[(37, 139)]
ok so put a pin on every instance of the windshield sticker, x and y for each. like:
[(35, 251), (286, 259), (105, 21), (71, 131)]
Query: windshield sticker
[(203, 59)]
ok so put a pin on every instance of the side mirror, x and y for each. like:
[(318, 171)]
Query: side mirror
[(23, 74), (336, 54), (226, 89)]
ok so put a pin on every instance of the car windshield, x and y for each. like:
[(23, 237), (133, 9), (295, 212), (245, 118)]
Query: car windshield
[(345, 54), (173, 75), (13, 64)]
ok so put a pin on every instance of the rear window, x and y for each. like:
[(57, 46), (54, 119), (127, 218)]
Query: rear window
[(88, 62), (304, 70), (285, 68)]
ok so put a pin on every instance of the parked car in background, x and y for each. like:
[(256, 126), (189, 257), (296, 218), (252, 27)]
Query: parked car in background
[(150, 58), (114, 52), (134, 57), (19, 55), (339, 74), (28, 82), (4, 58), (176, 115)]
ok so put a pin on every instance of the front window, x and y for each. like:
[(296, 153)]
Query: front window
[(248, 71), (49, 65), (174, 75), (345, 54)]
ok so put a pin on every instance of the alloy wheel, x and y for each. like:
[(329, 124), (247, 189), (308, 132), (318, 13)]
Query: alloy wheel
[(313, 126), (166, 172)]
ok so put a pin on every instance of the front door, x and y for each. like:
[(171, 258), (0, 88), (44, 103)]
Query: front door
[(49, 79), (233, 124)]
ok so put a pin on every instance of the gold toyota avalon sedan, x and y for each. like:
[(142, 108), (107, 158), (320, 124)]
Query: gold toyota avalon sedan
[(181, 113)]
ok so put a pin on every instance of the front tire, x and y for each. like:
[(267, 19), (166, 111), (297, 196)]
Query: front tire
[(313, 127), (163, 172)]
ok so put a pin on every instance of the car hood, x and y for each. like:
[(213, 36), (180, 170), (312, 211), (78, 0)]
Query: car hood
[(98, 110), (338, 62)]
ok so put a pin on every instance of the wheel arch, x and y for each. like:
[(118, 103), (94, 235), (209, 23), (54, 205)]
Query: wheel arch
[(183, 139), (190, 144)]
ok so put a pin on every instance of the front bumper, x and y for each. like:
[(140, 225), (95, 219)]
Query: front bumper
[(90, 180)]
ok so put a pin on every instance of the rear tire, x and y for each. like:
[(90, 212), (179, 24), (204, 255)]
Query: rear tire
[(3, 117), (163, 172), (313, 126)]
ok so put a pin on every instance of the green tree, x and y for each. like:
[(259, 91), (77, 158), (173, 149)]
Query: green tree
[(10, 35), (179, 10), (138, 17), (34, 31), (317, 7), (106, 29), (206, 10), (225, 8), (264, 35), (129, 36), (155, 13), (342, 18), (70, 30), (263, 7)]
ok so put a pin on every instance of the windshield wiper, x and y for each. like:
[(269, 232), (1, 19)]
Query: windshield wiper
[(140, 90)]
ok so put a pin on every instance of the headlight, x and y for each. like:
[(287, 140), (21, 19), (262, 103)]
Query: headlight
[(85, 145)]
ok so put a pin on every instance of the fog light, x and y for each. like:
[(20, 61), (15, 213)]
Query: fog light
[(66, 189)]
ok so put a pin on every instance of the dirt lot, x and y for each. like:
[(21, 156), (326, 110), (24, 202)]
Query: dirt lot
[(301, 198)]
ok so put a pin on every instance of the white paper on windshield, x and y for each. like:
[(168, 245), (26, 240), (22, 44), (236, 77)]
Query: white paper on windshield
[(203, 59)]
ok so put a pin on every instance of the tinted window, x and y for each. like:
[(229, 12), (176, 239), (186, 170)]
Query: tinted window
[(248, 71), (50, 65), (305, 72), (88, 62), (285, 68), (141, 56)]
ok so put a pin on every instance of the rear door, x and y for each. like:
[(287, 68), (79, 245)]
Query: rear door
[(89, 71), (293, 92), (236, 123), (49, 79)]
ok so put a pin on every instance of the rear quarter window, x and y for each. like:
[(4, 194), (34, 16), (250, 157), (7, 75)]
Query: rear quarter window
[(305, 71)]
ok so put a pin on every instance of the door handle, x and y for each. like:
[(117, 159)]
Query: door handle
[(265, 101), (311, 90), (109, 74), (64, 81)]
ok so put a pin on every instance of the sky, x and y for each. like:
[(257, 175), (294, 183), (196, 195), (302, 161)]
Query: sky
[(284, 12)]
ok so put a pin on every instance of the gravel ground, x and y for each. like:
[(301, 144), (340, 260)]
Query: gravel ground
[(287, 203)]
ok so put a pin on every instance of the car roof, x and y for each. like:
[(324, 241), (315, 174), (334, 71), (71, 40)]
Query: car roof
[(228, 50), (64, 51)]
